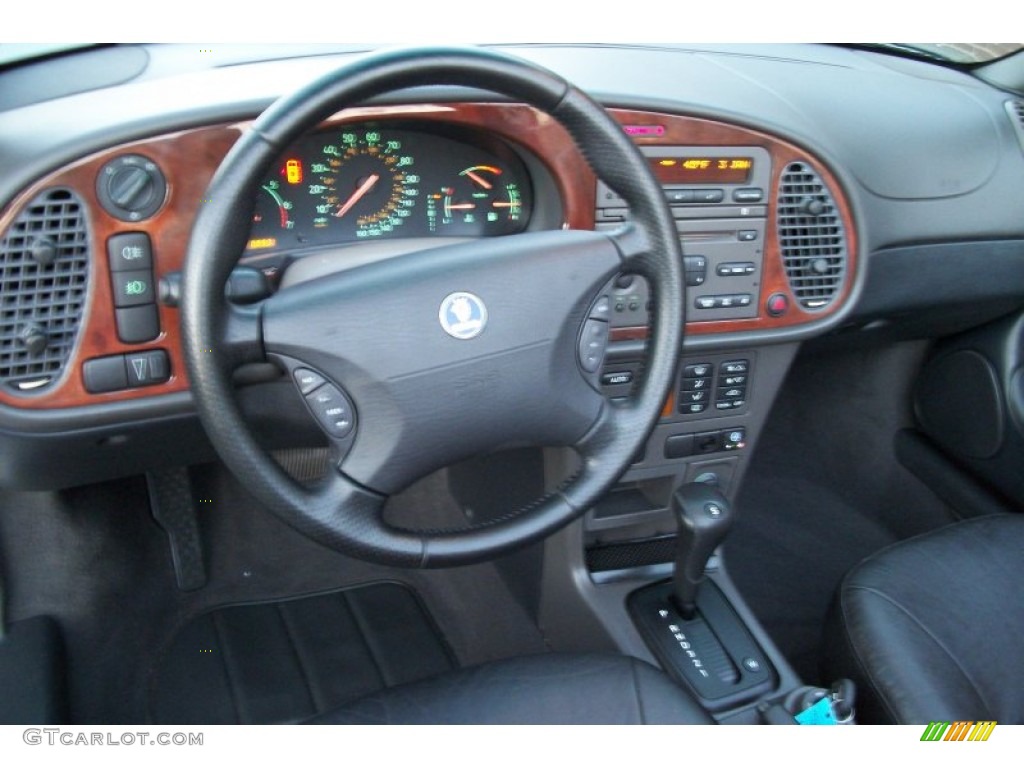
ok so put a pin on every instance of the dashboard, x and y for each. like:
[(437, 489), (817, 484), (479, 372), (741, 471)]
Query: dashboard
[(457, 170), (804, 207)]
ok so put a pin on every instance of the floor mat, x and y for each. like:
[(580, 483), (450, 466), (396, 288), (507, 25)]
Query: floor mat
[(289, 660), (825, 490), (787, 557)]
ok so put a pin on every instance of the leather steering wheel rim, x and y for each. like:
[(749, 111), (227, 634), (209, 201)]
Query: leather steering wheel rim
[(343, 513)]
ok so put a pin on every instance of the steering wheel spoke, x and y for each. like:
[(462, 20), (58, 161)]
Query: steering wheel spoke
[(241, 336), (634, 246)]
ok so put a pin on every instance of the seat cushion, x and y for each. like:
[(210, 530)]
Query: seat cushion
[(553, 688), (931, 628)]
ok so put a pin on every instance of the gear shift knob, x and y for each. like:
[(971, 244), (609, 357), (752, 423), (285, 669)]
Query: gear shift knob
[(704, 517)]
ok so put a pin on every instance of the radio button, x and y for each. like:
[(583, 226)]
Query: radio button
[(679, 196), (734, 268), (748, 195), (708, 195), (694, 279)]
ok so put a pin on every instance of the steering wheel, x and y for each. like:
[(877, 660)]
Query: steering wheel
[(432, 357)]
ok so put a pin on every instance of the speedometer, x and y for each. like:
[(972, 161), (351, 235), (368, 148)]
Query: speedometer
[(364, 184)]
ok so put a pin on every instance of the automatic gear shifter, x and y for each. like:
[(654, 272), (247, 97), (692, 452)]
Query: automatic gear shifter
[(704, 517), (689, 623)]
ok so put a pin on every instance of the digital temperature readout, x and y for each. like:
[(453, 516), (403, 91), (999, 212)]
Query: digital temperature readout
[(702, 170)]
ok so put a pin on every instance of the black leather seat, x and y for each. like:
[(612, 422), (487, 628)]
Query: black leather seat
[(931, 628), (553, 688)]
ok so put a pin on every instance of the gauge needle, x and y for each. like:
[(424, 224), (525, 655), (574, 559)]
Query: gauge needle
[(365, 187), (479, 180)]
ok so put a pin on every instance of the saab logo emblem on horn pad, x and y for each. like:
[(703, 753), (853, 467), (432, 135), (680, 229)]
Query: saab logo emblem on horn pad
[(463, 315)]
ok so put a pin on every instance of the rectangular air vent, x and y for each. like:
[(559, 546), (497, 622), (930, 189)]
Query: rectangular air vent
[(44, 269), (811, 237)]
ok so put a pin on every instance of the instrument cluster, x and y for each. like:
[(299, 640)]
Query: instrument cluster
[(371, 181)]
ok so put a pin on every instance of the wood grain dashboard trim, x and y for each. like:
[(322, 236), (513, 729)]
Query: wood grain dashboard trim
[(190, 158)]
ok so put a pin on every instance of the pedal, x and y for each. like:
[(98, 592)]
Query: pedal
[(174, 509)]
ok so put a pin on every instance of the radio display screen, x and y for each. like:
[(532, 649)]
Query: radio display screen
[(702, 170)]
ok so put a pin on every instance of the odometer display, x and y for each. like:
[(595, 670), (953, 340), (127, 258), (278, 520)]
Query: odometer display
[(360, 182)]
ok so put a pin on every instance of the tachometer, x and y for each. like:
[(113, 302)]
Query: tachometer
[(364, 184)]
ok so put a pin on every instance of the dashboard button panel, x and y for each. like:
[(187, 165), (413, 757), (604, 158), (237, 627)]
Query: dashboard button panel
[(136, 325), (129, 251), (146, 368), (105, 374), (119, 372), (133, 288)]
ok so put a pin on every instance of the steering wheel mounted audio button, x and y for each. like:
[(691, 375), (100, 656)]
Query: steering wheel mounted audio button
[(602, 309), (332, 409), (307, 380), (593, 344)]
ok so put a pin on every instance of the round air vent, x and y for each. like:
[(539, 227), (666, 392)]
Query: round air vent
[(44, 269), (811, 237)]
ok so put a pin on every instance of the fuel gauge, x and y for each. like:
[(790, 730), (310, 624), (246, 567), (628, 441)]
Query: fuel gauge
[(272, 217), (481, 200)]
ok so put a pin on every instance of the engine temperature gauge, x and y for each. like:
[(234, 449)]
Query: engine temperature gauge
[(478, 201)]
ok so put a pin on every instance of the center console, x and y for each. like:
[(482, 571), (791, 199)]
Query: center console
[(719, 197), (746, 270)]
